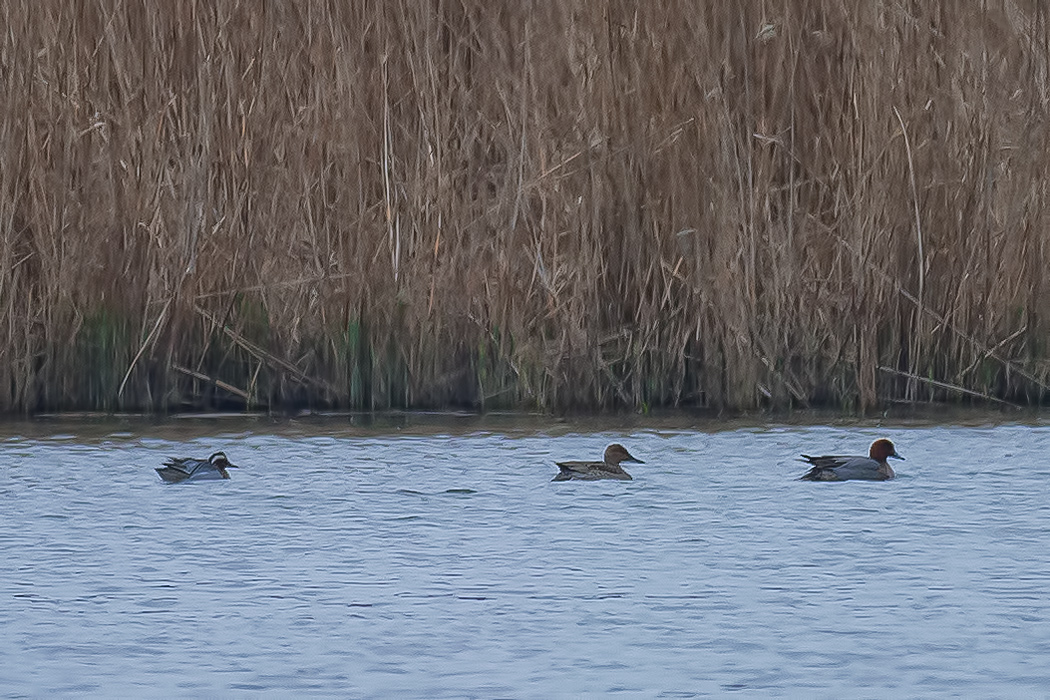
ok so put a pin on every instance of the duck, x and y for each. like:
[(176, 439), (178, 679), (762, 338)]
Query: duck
[(874, 467), (188, 468), (609, 468)]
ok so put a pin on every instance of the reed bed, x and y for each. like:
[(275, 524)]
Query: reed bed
[(556, 205)]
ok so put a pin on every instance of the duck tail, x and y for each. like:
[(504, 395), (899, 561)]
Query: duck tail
[(812, 475)]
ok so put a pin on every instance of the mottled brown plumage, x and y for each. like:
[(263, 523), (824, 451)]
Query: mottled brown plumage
[(609, 468)]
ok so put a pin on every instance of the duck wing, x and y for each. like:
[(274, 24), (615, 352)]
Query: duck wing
[(173, 471), (590, 471), (187, 464), (579, 467), (830, 461), (182, 468), (842, 468)]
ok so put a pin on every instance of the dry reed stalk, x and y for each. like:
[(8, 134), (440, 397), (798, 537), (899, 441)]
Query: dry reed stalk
[(563, 206)]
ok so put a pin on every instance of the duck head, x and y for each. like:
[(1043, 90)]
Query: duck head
[(616, 453), (883, 449), (219, 461)]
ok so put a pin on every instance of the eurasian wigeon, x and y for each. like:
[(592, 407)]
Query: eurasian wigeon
[(871, 468)]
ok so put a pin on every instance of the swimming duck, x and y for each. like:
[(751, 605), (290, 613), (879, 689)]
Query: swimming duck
[(871, 468), (591, 471), (186, 468)]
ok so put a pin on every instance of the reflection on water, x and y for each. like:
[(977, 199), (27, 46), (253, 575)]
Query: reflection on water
[(442, 562)]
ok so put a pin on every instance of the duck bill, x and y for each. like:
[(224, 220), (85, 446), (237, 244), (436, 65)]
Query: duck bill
[(897, 456), (635, 460)]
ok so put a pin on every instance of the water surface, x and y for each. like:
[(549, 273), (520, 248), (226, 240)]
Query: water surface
[(429, 563)]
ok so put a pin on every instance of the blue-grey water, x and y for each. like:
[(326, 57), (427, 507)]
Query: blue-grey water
[(433, 564)]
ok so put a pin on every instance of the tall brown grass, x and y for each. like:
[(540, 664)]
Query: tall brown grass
[(556, 204)]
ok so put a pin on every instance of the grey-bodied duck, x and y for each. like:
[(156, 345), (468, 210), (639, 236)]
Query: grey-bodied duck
[(187, 468), (874, 467)]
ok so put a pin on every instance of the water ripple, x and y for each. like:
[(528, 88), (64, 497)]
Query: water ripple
[(450, 566)]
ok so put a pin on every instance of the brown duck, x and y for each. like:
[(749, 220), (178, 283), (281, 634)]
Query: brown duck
[(609, 468)]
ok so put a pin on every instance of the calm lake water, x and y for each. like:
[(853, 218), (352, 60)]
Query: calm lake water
[(442, 562)]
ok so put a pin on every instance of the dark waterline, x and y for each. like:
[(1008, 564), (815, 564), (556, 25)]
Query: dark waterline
[(456, 422)]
